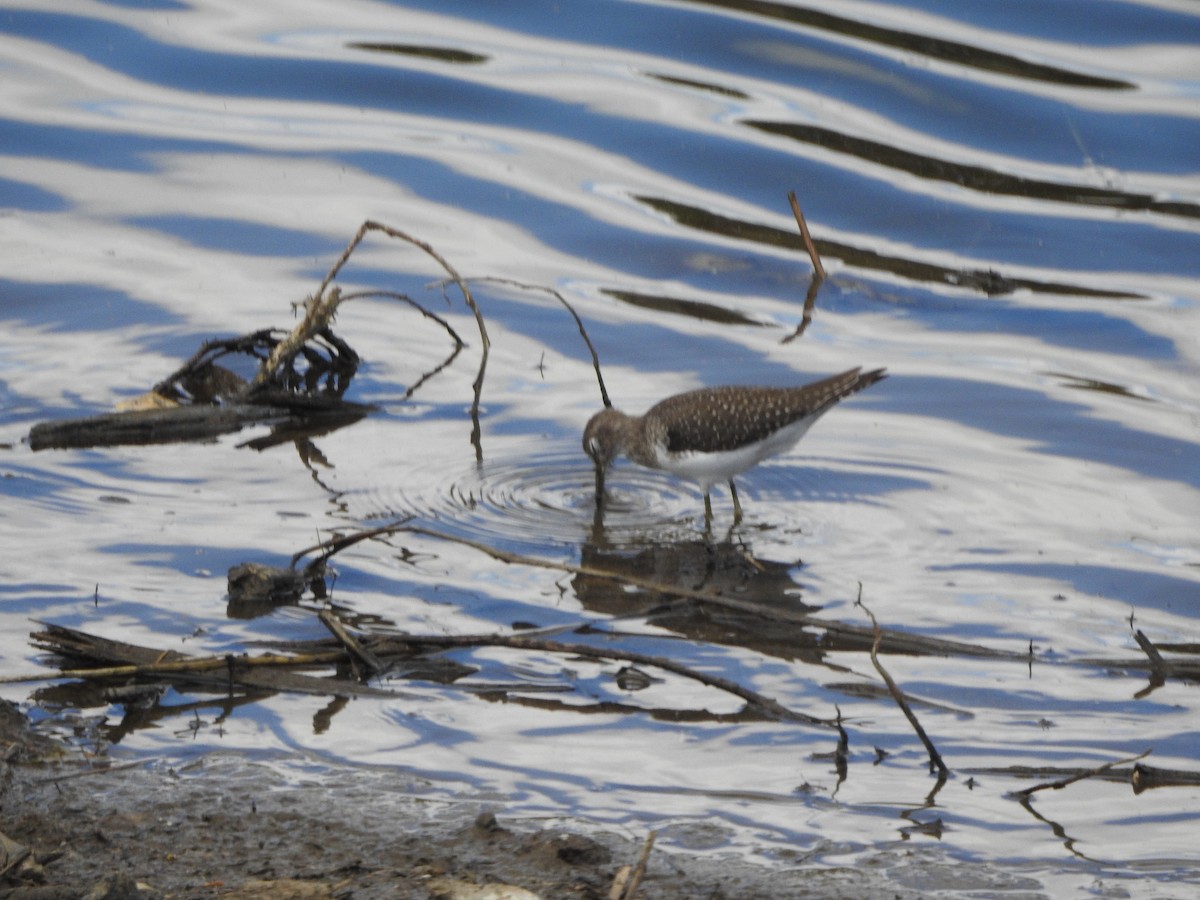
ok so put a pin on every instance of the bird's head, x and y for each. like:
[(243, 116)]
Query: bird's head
[(604, 437)]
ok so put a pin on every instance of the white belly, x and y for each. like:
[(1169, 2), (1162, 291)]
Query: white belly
[(712, 468)]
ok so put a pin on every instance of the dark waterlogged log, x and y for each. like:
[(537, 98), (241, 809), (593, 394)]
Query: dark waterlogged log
[(151, 426), (192, 423)]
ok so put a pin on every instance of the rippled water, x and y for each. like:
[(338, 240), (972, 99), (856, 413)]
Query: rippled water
[(1007, 200)]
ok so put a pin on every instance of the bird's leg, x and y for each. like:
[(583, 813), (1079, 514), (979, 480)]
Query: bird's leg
[(737, 507), (707, 512)]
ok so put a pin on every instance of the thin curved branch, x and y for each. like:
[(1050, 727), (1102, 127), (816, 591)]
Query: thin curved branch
[(370, 225), (578, 322)]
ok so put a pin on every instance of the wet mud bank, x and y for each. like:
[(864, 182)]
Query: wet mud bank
[(226, 827)]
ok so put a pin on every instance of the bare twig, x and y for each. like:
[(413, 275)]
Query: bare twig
[(317, 303), (578, 322), (318, 312), (238, 667), (356, 650), (639, 870), (1079, 776), (404, 298), (216, 348), (340, 542), (477, 386), (458, 341), (818, 269), (935, 758), (1157, 663), (190, 665), (1159, 667)]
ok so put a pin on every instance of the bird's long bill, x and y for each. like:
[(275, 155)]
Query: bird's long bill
[(599, 486)]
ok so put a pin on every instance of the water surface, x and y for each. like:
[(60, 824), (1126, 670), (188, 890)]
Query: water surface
[(1007, 200)]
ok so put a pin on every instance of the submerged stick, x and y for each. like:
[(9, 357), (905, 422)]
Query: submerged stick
[(810, 303), (764, 704), (935, 758)]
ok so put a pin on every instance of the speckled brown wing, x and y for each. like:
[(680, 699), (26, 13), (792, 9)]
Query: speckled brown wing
[(725, 418)]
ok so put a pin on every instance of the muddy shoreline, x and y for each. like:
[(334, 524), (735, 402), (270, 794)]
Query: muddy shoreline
[(226, 827), (223, 825)]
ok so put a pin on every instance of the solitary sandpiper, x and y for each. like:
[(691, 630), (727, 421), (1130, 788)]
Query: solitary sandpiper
[(712, 434)]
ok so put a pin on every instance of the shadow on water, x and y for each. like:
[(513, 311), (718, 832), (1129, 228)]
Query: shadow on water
[(987, 282)]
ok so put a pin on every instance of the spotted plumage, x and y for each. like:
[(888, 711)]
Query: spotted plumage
[(712, 434)]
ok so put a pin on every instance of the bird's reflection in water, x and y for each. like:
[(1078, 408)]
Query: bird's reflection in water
[(662, 580)]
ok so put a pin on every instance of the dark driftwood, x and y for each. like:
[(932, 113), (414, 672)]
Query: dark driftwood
[(151, 426), (1061, 783), (297, 389), (188, 423), (1186, 669), (1139, 776), (1145, 778), (99, 658)]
